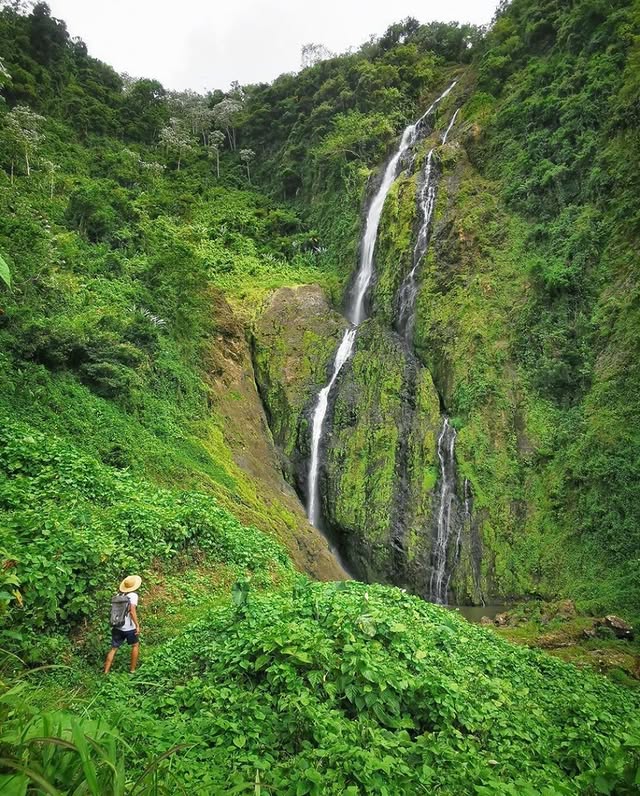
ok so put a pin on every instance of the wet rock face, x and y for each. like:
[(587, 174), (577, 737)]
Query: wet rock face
[(293, 345), (264, 499), (380, 465)]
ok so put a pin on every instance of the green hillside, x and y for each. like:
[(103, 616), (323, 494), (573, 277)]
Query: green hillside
[(174, 272)]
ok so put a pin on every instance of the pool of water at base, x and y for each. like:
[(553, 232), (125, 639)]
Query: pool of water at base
[(474, 613)]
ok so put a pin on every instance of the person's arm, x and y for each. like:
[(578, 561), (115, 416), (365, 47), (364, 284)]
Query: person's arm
[(134, 616)]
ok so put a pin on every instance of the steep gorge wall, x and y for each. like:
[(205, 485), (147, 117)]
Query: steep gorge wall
[(526, 326), (380, 481)]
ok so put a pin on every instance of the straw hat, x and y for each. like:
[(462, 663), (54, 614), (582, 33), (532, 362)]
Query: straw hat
[(130, 583)]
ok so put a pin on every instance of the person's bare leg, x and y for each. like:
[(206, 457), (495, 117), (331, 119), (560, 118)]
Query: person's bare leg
[(110, 656), (134, 656)]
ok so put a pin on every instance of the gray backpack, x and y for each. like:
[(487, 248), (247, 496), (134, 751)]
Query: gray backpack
[(119, 609)]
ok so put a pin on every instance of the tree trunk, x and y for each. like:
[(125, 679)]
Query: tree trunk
[(218, 162), (26, 160), (12, 172), (248, 173)]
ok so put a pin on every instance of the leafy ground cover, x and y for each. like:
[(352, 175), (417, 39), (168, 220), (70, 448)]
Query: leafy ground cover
[(349, 689)]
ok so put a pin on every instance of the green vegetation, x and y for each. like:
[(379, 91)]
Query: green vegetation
[(526, 310), (314, 688), (384, 404), (163, 252), (527, 317)]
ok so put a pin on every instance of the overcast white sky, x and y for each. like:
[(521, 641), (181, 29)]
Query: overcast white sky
[(205, 44)]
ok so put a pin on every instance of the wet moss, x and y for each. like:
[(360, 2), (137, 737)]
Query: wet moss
[(381, 460)]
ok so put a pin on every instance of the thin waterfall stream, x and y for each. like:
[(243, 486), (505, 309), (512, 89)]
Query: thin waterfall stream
[(409, 287), (446, 512), (344, 352), (357, 310)]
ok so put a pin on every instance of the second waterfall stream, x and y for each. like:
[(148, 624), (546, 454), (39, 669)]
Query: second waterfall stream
[(357, 309)]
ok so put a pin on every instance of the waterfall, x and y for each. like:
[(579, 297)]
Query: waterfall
[(406, 302), (357, 310), (448, 130), (409, 288), (344, 352), (466, 491), (365, 270), (447, 513)]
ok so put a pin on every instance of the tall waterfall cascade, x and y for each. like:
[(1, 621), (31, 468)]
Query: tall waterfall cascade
[(427, 193), (447, 514), (357, 313)]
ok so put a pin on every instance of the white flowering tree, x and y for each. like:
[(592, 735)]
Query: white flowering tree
[(51, 169), (23, 126), (216, 142), (246, 156), (225, 115), (176, 138)]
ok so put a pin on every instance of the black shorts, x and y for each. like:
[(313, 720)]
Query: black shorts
[(118, 637)]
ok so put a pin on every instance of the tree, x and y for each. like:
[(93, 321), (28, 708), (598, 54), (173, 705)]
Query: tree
[(176, 137), (225, 114), (144, 108), (5, 78), (216, 141), (193, 109), (311, 54), (23, 126), (246, 156), (51, 168), (152, 168)]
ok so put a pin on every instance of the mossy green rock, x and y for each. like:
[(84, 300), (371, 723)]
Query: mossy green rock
[(381, 464), (294, 341)]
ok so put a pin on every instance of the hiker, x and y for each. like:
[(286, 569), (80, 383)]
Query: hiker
[(124, 621)]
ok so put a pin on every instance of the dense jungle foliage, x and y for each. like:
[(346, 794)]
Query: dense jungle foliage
[(143, 233)]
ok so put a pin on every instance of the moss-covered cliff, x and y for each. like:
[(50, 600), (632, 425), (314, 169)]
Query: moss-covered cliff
[(294, 340), (381, 466), (508, 341)]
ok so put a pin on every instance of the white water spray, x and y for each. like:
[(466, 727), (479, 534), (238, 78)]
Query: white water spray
[(446, 450), (365, 270), (426, 201), (409, 288), (448, 130), (467, 519)]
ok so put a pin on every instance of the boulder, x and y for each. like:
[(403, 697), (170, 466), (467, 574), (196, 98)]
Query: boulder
[(619, 627), (501, 620), (485, 620)]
